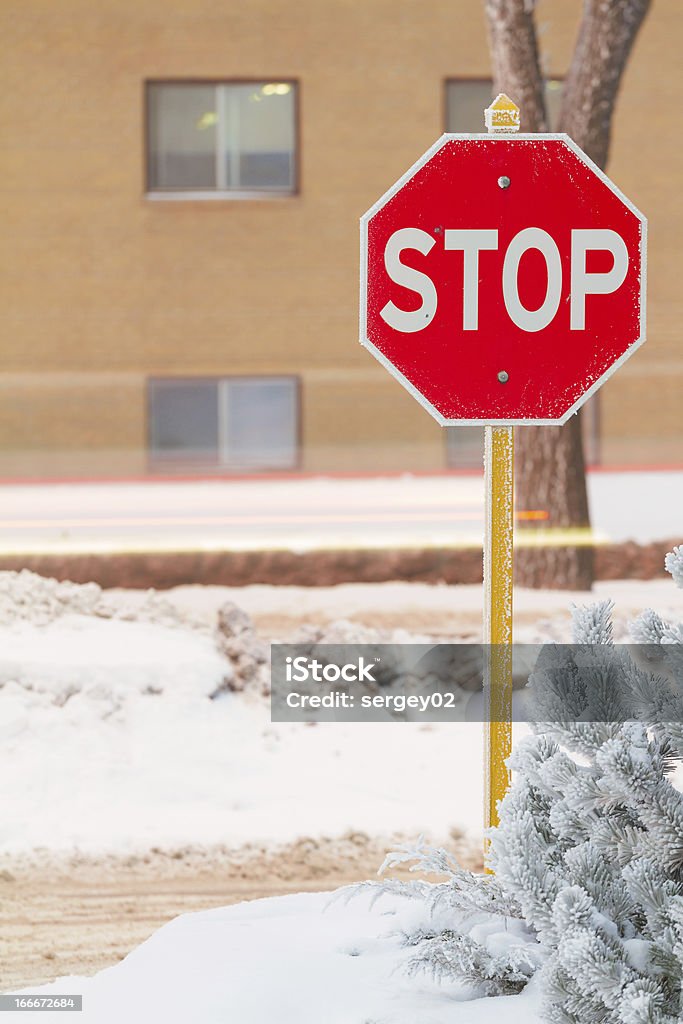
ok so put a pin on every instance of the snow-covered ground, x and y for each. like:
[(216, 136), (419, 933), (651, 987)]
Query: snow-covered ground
[(438, 609), (293, 960), (110, 741)]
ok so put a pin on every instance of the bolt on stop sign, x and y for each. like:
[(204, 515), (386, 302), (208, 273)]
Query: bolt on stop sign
[(503, 279)]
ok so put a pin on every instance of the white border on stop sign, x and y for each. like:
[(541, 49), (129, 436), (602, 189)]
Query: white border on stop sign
[(525, 137)]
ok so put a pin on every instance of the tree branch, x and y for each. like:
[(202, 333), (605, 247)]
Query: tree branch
[(606, 36)]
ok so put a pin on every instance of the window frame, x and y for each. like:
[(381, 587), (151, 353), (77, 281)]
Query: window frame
[(157, 463), (448, 80), (156, 194)]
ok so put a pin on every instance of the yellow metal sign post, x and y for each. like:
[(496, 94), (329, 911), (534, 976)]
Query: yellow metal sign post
[(501, 116), (498, 479)]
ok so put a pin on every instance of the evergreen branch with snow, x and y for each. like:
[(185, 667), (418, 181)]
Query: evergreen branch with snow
[(588, 853), (451, 953)]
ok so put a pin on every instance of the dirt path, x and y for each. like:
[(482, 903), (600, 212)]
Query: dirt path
[(79, 915)]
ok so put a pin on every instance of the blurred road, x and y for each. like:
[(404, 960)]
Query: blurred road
[(306, 513)]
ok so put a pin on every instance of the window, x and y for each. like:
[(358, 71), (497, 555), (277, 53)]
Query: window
[(464, 447), (229, 423), (221, 138), (467, 98)]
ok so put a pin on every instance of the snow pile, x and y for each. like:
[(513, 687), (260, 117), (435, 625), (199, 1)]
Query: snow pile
[(97, 667), (68, 643), (249, 655), (120, 727), (27, 597), (295, 960), (238, 640), (120, 735)]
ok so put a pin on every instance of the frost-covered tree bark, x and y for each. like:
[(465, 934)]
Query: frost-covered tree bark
[(550, 460)]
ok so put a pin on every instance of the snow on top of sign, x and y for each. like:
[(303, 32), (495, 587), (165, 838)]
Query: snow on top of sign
[(502, 115)]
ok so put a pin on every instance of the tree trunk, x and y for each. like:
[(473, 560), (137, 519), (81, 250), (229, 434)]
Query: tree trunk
[(606, 36), (515, 59), (550, 474)]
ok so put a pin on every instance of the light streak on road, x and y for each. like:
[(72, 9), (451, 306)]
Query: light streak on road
[(245, 520), (309, 513)]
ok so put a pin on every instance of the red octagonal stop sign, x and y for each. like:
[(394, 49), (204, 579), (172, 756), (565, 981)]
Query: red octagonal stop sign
[(503, 279)]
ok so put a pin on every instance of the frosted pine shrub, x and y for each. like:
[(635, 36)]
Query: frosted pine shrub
[(588, 856)]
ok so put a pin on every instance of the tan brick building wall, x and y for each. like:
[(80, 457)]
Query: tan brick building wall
[(103, 288)]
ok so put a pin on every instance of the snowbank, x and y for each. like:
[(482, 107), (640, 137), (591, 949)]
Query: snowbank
[(120, 729), (293, 960), (142, 757), (120, 732), (124, 735), (27, 597)]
